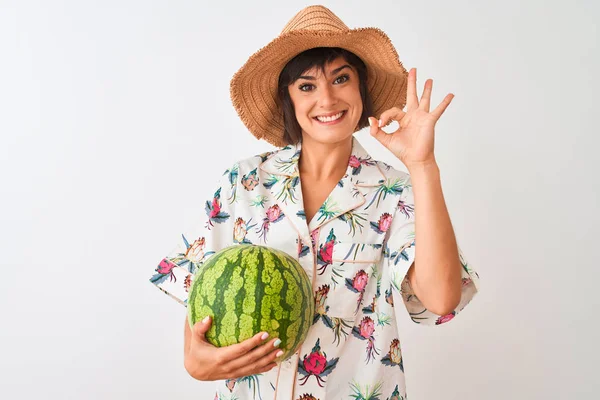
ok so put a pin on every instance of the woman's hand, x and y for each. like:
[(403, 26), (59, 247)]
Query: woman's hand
[(205, 362), (413, 141)]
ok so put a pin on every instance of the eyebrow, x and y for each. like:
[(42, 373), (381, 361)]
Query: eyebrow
[(335, 71)]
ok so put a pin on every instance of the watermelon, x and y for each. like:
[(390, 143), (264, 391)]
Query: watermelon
[(247, 289)]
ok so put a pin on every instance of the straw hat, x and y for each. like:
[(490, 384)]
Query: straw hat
[(253, 88)]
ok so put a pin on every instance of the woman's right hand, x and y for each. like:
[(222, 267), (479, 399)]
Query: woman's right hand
[(205, 362)]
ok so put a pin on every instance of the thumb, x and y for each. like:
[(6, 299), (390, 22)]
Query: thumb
[(200, 328), (378, 133)]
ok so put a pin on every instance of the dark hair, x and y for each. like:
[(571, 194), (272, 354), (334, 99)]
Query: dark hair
[(317, 57)]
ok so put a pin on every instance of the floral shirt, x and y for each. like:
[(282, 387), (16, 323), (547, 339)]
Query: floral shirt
[(356, 250)]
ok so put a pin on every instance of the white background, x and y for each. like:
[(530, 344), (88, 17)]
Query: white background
[(115, 120)]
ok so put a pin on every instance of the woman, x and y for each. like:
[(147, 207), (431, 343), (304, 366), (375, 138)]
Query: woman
[(348, 219)]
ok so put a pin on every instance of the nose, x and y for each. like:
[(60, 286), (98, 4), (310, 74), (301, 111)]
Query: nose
[(328, 98)]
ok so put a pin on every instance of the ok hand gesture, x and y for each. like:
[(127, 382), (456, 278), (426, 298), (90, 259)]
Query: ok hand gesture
[(413, 141)]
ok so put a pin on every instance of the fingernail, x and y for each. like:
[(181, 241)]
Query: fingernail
[(264, 335), (277, 343), (370, 122), (380, 123), (205, 320), (279, 353)]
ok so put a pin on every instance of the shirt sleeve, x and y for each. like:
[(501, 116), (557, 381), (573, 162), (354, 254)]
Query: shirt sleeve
[(206, 235), (400, 254)]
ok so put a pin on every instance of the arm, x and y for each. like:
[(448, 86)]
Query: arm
[(444, 281), (435, 276)]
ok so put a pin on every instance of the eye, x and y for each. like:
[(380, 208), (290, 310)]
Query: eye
[(306, 87), (345, 77), (301, 87)]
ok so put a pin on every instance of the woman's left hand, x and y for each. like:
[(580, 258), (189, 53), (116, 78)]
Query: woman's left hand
[(413, 141)]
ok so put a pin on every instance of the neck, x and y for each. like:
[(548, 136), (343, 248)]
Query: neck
[(324, 161)]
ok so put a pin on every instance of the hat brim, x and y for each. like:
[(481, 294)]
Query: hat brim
[(253, 88)]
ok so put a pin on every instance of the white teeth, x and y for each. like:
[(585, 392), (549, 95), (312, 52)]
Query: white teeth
[(332, 118)]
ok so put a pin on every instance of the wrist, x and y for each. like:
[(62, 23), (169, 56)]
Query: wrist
[(423, 167)]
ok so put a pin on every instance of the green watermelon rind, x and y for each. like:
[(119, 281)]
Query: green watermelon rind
[(291, 317)]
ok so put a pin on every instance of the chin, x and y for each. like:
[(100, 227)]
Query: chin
[(327, 137)]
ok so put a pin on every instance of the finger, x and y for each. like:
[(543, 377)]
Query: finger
[(251, 370), (439, 110), (264, 369), (426, 97), (393, 114), (379, 133), (200, 328), (260, 363), (235, 351), (260, 356), (412, 103), (268, 368)]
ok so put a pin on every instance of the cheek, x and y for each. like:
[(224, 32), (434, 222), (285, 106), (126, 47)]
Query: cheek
[(359, 105), (357, 98), (353, 98), (302, 110), (357, 108), (299, 105)]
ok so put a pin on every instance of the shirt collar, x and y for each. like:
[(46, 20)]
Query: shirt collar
[(280, 175)]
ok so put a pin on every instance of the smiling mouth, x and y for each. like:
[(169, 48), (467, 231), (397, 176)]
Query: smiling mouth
[(331, 119)]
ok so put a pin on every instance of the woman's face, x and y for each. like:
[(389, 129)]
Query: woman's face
[(328, 107)]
